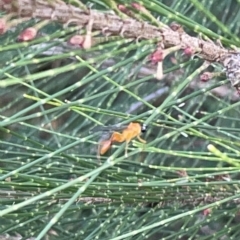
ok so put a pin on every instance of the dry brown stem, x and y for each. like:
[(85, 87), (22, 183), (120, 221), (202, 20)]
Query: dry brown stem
[(111, 23), (127, 27)]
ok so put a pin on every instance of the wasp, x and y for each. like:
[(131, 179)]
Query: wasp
[(118, 133)]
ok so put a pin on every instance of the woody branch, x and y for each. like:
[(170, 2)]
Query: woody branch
[(168, 37)]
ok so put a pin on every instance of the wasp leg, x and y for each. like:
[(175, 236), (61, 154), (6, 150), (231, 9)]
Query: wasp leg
[(141, 140)]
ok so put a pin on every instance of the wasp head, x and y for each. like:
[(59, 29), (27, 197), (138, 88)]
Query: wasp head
[(144, 128)]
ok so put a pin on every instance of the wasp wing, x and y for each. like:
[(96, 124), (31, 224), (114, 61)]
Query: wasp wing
[(110, 128)]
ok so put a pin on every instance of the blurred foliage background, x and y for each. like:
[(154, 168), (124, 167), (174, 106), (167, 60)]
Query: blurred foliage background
[(52, 185)]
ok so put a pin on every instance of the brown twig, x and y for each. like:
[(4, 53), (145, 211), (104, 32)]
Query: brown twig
[(128, 28), (62, 12)]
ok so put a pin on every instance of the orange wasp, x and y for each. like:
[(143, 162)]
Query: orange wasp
[(115, 133)]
